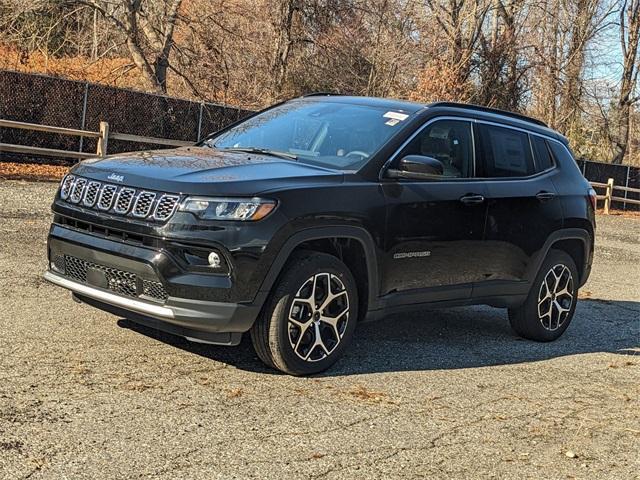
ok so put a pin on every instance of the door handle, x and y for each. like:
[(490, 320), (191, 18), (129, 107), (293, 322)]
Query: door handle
[(472, 199), (542, 196)]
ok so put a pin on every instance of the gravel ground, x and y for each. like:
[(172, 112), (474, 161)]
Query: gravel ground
[(437, 394)]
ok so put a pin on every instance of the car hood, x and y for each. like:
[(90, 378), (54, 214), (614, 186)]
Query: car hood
[(203, 171)]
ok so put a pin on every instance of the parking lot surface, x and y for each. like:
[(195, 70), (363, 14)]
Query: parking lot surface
[(431, 394)]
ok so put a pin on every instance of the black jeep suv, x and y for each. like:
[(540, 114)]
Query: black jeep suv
[(320, 212)]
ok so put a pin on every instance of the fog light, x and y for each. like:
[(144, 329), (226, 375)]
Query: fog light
[(214, 260)]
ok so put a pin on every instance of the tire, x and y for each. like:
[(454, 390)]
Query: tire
[(287, 330), (551, 303)]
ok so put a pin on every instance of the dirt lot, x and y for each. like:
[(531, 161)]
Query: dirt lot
[(437, 394)]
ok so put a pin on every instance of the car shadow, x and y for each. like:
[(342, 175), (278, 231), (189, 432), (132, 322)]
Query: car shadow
[(466, 337)]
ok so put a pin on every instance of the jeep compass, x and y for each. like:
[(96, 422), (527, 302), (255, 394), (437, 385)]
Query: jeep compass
[(306, 218)]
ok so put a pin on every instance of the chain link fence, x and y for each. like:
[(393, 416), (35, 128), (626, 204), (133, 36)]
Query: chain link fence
[(66, 103), (623, 176)]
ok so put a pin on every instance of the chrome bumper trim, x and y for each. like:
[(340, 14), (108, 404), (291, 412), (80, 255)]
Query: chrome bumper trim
[(126, 303)]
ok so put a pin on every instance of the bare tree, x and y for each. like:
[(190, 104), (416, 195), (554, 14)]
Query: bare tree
[(501, 69), (629, 38), (461, 22), (285, 39), (535, 56), (148, 28), (584, 22)]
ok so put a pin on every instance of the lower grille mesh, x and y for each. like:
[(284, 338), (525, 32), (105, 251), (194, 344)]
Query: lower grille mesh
[(154, 289), (118, 281)]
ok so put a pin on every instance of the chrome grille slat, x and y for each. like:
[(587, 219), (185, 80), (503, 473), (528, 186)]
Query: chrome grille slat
[(78, 190), (107, 194), (125, 197), (144, 203), (67, 186), (166, 206), (91, 194), (117, 199)]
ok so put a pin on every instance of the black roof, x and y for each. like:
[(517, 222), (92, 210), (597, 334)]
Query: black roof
[(495, 111), (390, 103), (414, 107)]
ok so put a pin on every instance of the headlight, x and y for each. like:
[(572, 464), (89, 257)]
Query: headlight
[(245, 209)]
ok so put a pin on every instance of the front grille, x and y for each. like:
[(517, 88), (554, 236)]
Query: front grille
[(154, 289), (58, 263), (166, 205), (78, 190), (67, 185), (125, 197), (118, 281), (91, 194), (111, 233), (107, 194), (119, 200), (144, 203)]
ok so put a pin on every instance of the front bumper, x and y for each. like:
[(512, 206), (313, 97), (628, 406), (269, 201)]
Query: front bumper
[(117, 283), (196, 324)]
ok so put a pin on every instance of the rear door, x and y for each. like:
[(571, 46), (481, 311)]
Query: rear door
[(523, 207)]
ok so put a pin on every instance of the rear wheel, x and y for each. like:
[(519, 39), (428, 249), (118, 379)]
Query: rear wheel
[(551, 303), (310, 316)]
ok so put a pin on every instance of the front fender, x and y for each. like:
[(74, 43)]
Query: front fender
[(326, 232)]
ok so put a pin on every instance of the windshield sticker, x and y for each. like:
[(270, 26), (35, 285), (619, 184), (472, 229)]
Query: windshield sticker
[(396, 116), (392, 122)]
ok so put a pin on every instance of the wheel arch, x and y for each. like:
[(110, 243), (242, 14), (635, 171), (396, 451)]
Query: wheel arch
[(320, 239), (577, 242)]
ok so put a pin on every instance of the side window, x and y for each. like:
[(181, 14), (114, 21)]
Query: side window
[(504, 152), (541, 152), (450, 142)]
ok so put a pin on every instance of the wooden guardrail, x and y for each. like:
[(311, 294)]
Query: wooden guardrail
[(103, 136), (609, 197)]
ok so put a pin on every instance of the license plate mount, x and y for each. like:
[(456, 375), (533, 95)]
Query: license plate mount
[(97, 277)]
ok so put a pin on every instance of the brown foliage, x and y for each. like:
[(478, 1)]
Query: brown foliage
[(31, 172), (114, 71), (531, 57), (439, 82)]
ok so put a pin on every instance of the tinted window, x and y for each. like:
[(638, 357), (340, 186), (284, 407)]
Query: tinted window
[(504, 152), (330, 134), (541, 151), (448, 141)]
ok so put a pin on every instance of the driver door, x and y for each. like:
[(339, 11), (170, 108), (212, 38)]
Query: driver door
[(435, 226)]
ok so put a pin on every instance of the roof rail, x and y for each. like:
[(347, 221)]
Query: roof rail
[(321, 94), (496, 111)]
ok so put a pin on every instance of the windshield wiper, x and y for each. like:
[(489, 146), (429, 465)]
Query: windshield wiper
[(262, 151)]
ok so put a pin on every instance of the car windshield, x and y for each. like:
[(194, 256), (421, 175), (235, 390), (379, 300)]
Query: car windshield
[(330, 134)]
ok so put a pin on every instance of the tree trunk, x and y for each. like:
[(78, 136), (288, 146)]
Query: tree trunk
[(581, 32), (284, 41), (629, 37)]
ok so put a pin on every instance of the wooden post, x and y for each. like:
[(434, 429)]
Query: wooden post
[(103, 140), (608, 195)]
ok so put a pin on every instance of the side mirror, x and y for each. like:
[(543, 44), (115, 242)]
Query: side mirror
[(417, 167)]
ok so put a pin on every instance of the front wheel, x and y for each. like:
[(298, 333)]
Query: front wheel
[(310, 316), (549, 308)]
